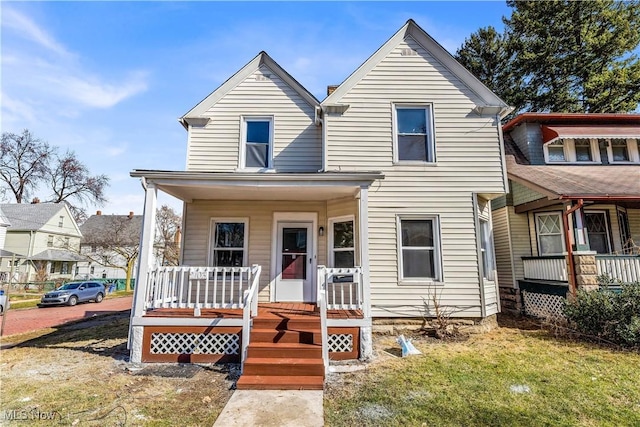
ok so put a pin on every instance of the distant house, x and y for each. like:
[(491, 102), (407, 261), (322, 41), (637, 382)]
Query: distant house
[(46, 237), (110, 245), (573, 209), (310, 218)]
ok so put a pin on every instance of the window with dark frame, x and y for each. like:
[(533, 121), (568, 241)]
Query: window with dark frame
[(619, 150)]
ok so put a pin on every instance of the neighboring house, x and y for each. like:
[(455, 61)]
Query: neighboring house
[(47, 238), (110, 245), (361, 206), (6, 257), (573, 209)]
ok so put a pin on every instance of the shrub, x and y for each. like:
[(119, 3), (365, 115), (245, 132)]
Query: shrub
[(609, 314)]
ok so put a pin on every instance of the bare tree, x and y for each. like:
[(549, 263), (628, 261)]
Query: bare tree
[(113, 241), (23, 162), (71, 182), (167, 240)]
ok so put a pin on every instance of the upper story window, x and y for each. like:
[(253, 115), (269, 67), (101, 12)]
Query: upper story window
[(256, 150), (572, 151), (413, 134), (623, 151), (49, 241), (61, 221)]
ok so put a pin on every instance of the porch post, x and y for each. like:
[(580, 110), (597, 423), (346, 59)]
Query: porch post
[(145, 259), (366, 346)]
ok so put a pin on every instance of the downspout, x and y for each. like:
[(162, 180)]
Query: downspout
[(569, 246)]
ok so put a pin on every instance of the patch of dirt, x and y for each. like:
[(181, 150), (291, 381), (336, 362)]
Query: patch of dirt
[(81, 374)]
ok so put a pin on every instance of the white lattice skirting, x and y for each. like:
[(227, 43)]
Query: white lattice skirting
[(542, 305), (192, 343), (340, 343)]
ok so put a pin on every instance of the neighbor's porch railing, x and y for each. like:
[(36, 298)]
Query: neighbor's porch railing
[(199, 287), (625, 268), (553, 267)]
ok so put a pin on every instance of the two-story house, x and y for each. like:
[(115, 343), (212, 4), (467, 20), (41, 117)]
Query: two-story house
[(47, 238), (305, 222), (573, 209), (110, 245)]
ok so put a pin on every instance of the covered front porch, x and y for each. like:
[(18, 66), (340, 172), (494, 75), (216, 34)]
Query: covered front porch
[(256, 248)]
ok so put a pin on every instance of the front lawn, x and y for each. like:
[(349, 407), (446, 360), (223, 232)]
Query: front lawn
[(510, 376)]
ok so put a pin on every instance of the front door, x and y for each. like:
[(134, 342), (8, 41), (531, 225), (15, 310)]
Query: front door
[(295, 262)]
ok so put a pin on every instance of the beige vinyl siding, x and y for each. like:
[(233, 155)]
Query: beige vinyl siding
[(260, 216), (502, 242), (468, 161), (634, 225), (297, 140), (520, 245)]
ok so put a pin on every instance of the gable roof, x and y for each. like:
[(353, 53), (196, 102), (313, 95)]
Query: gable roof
[(114, 229), (251, 67), (31, 217), (410, 28)]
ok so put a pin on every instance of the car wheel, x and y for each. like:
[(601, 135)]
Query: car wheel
[(73, 300), (99, 297)]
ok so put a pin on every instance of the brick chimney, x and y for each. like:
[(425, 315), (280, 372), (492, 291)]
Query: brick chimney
[(331, 89), (98, 213)]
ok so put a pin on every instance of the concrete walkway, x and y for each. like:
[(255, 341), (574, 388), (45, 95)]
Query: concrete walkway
[(291, 408)]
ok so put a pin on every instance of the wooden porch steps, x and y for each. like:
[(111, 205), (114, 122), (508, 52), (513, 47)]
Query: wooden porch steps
[(285, 353)]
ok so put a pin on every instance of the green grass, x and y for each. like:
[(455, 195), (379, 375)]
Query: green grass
[(470, 384)]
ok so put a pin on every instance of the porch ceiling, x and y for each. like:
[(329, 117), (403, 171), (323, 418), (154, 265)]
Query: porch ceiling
[(189, 186)]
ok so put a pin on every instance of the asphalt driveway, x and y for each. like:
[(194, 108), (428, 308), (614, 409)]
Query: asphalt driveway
[(33, 319)]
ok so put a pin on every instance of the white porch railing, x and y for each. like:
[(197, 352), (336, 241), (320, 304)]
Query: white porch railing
[(625, 268), (343, 288), (249, 310), (546, 268), (198, 287)]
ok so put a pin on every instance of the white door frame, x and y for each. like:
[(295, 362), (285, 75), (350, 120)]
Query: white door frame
[(313, 250)]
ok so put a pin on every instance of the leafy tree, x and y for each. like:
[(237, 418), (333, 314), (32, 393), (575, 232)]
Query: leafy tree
[(167, 241), (561, 56), (23, 163)]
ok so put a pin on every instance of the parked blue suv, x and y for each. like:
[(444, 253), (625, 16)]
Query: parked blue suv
[(74, 292)]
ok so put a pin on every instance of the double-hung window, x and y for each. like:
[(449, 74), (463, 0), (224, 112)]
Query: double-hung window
[(228, 242), (256, 151), (486, 249), (549, 233), (571, 150), (413, 133), (341, 246), (418, 244)]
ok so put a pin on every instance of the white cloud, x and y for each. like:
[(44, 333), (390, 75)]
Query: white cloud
[(43, 80), (28, 29)]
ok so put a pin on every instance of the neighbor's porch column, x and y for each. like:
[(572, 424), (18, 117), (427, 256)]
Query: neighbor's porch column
[(366, 345), (145, 259)]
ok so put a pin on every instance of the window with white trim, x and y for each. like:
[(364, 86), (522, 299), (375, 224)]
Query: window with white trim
[(256, 151), (549, 233), (620, 150), (342, 253), (486, 249), (570, 150), (61, 221), (49, 241), (413, 133), (418, 246), (228, 242)]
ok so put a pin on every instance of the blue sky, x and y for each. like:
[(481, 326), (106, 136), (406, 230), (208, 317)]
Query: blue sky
[(108, 80)]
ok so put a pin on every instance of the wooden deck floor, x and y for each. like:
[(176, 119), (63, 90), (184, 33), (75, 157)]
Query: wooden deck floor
[(265, 310)]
